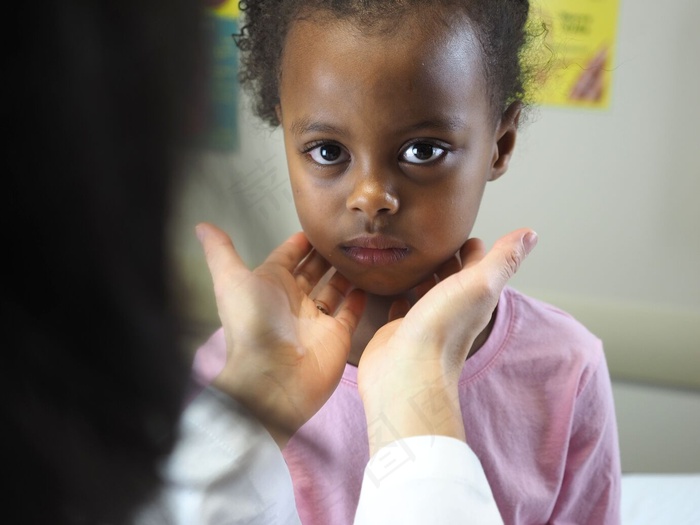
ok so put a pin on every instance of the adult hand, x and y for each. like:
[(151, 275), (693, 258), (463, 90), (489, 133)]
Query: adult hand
[(415, 361), (284, 356)]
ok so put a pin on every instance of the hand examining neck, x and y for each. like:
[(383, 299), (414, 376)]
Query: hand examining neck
[(284, 356), (378, 307), (415, 360)]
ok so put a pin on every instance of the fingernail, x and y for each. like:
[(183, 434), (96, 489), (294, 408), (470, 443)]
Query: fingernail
[(199, 231), (530, 241)]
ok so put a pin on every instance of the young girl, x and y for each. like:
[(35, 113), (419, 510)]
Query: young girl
[(396, 113)]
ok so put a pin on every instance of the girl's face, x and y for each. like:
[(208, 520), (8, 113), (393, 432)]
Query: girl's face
[(390, 141)]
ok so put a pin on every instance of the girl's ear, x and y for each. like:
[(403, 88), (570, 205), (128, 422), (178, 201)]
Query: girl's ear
[(505, 140)]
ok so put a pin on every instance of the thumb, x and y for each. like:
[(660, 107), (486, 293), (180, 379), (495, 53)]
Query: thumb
[(507, 254), (220, 254)]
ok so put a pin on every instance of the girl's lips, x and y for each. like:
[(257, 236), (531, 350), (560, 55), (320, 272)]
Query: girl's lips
[(375, 256), (375, 250)]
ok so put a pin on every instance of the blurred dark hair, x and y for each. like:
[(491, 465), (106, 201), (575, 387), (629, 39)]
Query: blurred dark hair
[(99, 98)]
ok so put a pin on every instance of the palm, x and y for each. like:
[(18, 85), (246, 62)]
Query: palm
[(285, 357), (416, 360)]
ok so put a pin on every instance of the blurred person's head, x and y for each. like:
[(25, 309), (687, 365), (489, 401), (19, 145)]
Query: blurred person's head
[(98, 102)]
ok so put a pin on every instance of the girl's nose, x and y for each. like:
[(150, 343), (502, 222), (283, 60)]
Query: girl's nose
[(373, 196)]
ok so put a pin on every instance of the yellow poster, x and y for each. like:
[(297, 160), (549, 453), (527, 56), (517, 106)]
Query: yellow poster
[(579, 49)]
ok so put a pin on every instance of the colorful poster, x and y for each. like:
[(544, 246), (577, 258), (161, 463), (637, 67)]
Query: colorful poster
[(576, 53), (222, 114)]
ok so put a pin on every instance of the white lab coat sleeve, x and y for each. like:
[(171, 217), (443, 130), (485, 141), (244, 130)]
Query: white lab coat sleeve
[(226, 469), (426, 479)]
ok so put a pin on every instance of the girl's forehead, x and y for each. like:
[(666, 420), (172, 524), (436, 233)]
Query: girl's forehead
[(409, 40), (407, 73)]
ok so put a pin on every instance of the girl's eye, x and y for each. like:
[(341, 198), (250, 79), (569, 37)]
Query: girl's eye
[(422, 153), (328, 154)]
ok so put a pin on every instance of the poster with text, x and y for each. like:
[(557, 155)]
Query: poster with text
[(577, 50)]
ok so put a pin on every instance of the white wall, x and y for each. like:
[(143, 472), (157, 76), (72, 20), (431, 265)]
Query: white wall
[(614, 194), (659, 428)]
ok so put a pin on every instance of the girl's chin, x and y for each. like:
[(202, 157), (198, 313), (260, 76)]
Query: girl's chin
[(385, 288)]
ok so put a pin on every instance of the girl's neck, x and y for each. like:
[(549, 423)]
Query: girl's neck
[(376, 315)]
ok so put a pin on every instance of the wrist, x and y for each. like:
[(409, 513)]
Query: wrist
[(432, 410), (259, 405)]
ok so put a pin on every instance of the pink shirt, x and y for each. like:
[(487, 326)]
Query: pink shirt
[(538, 410)]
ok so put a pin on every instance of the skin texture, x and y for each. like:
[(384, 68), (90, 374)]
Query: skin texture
[(390, 141)]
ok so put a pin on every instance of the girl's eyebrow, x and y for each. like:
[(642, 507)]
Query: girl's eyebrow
[(306, 125), (445, 124)]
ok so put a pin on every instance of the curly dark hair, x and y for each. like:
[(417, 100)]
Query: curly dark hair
[(500, 25)]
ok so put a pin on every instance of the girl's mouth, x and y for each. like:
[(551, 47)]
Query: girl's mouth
[(375, 250), (374, 256)]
